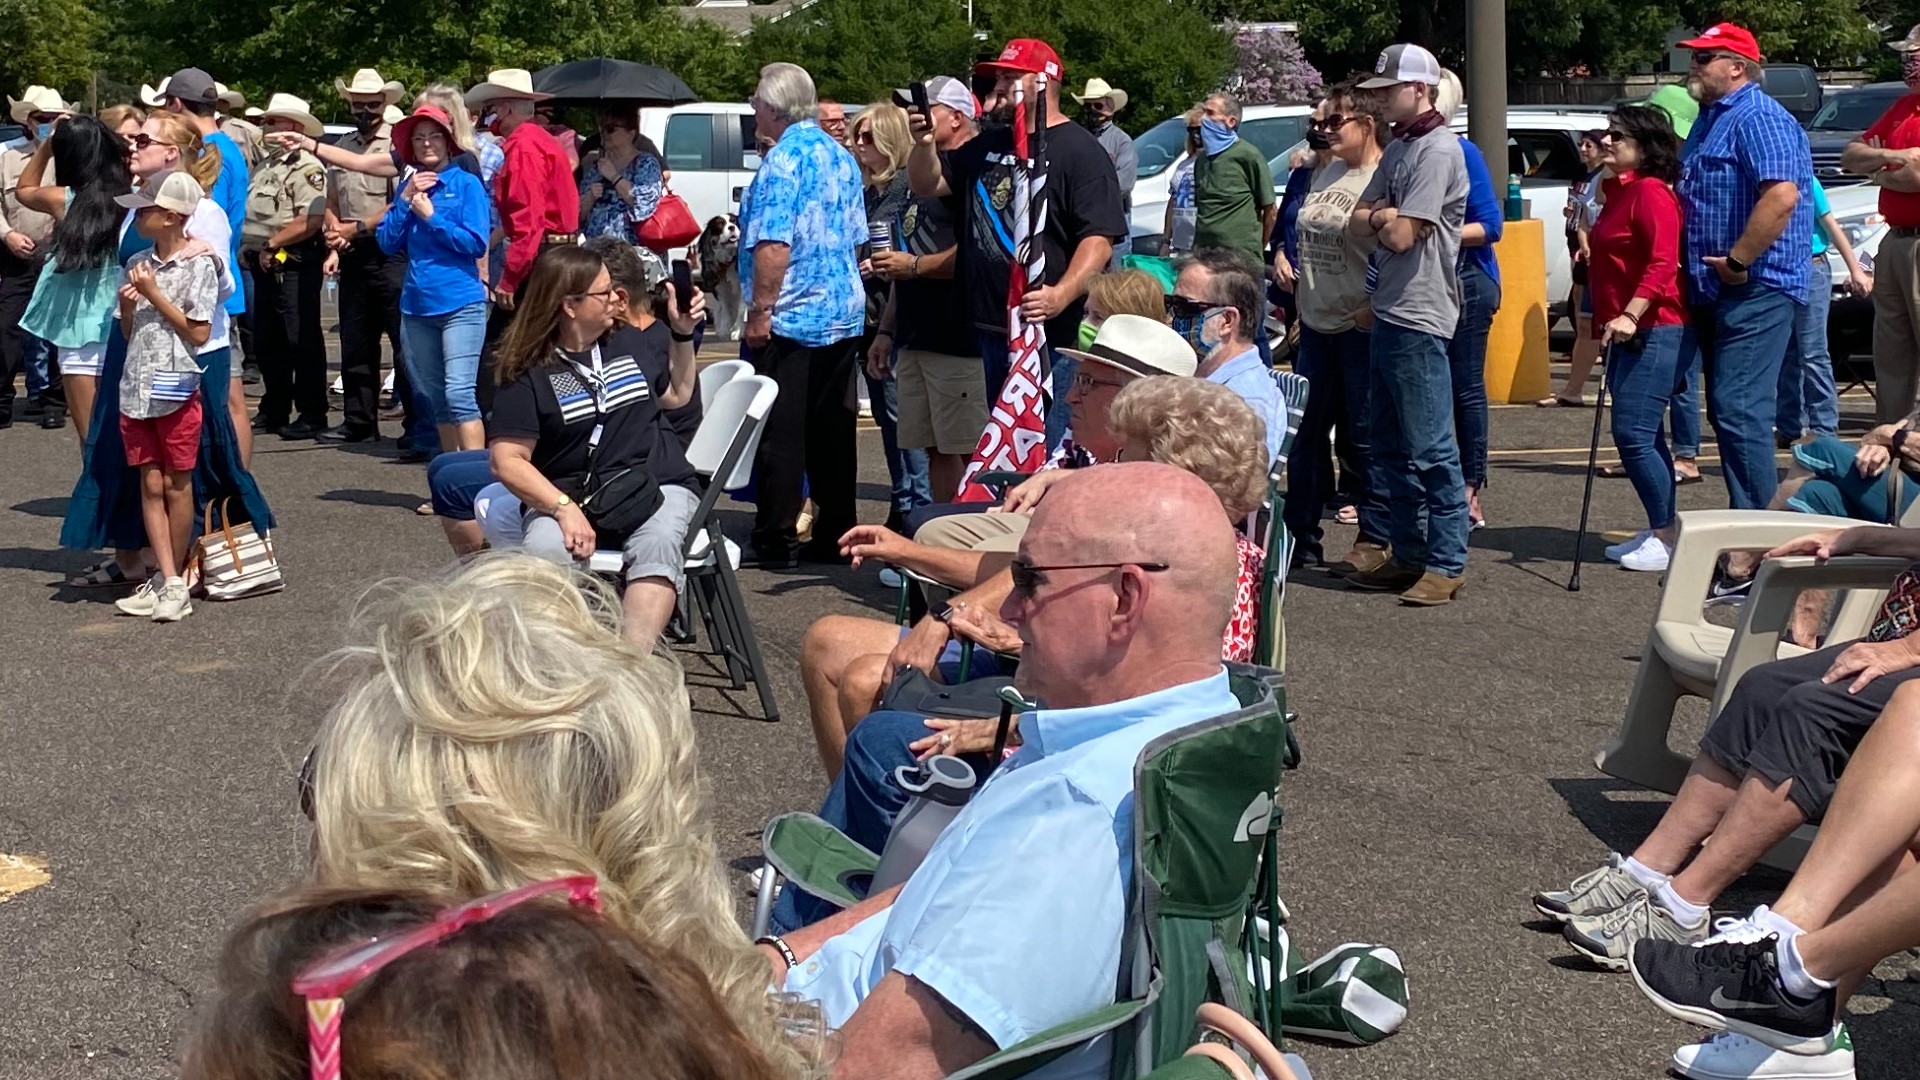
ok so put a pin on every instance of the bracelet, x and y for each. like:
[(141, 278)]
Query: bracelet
[(678, 336), (888, 334), (1631, 315), (781, 947), (913, 268)]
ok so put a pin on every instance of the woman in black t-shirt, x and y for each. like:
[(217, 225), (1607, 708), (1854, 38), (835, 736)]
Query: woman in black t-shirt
[(578, 435)]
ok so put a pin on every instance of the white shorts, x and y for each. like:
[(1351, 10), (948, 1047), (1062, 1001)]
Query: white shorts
[(85, 360)]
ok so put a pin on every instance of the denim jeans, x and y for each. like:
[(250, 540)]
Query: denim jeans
[(1809, 400), (1059, 413), (1685, 419), (864, 800), (1643, 384), (993, 354), (443, 356), (909, 487), (1467, 359), (1742, 340), (1339, 373), (1415, 460), (37, 354)]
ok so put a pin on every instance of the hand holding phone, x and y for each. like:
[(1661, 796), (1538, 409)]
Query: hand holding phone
[(682, 284), (920, 103)]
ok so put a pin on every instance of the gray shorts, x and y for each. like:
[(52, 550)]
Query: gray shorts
[(657, 549)]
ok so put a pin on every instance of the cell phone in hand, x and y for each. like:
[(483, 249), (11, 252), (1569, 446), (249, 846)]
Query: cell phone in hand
[(682, 285), (920, 103)]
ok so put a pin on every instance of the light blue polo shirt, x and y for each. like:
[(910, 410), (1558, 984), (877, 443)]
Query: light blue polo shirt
[(1016, 916), (1247, 376)]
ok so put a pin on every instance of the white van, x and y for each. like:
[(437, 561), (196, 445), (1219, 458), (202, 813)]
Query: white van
[(708, 147), (1272, 128)]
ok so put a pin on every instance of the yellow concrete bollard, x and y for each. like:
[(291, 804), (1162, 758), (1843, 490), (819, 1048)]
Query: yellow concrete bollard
[(1517, 344)]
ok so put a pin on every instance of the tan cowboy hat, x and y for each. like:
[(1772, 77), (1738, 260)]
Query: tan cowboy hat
[(230, 99), (368, 81), (288, 107), (1097, 89), (502, 84), (37, 99)]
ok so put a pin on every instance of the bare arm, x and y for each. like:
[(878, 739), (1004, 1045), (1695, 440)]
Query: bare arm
[(1365, 222), (1090, 257), (1837, 239), (1268, 219), (512, 461), (300, 228), (940, 264), (1400, 234), (769, 273), (1473, 234), (1879, 540), (905, 1031), (1767, 221), (1905, 178), (369, 164), (1863, 159), (51, 199), (924, 175), (808, 939)]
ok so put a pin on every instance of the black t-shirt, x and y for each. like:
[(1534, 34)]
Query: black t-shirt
[(1083, 199), (685, 420), (930, 314), (555, 406)]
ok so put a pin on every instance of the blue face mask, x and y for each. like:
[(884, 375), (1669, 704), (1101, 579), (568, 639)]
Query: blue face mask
[(1216, 136), (46, 130), (1194, 329)]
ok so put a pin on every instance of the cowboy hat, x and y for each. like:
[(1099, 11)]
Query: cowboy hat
[(1097, 89), (230, 99), (392, 115), (368, 81), (154, 97), (1139, 346), (505, 84), (288, 107), (36, 99)]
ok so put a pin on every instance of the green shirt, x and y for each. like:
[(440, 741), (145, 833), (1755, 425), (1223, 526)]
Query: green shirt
[(1231, 190)]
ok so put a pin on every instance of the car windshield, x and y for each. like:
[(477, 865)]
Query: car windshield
[(1854, 110), (1161, 146)]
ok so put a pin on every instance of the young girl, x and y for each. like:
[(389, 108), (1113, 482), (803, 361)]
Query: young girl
[(167, 306)]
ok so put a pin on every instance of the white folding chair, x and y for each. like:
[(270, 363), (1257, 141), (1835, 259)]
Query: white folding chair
[(716, 375), (722, 453)]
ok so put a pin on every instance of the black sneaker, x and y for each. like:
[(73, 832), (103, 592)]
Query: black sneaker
[(303, 429), (36, 408), (345, 434), (54, 419), (1733, 986), (1725, 589)]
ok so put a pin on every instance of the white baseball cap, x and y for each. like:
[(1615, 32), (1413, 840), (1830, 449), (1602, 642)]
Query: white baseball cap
[(943, 90), (176, 191), (1403, 64)]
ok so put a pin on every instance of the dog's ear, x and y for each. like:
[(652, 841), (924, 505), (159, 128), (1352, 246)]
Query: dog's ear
[(718, 223)]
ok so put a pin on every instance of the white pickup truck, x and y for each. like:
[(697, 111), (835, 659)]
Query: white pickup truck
[(708, 146)]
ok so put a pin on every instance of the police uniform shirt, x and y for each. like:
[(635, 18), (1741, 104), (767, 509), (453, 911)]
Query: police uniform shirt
[(247, 136), (289, 184), (357, 196)]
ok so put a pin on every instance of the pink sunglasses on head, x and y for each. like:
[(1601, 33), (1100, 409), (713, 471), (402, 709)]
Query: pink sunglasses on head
[(325, 982)]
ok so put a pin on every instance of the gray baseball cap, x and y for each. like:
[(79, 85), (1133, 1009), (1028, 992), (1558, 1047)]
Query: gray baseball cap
[(192, 84), (1403, 64)]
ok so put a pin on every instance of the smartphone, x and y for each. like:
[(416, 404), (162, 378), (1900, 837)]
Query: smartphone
[(920, 103), (682, 285)]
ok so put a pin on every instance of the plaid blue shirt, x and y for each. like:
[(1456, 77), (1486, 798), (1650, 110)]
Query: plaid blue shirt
[(808, 195), (1740, 142)]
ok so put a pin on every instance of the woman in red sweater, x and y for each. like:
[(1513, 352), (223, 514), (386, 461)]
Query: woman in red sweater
[(1638, 311)]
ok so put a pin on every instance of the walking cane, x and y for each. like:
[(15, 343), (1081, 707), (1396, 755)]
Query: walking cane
[(1593, 460)]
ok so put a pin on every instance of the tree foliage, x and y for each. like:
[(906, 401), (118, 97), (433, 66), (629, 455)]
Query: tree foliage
[(50, 42), (1270, 67)]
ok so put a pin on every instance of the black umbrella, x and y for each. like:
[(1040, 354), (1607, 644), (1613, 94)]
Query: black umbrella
[(601, 79)]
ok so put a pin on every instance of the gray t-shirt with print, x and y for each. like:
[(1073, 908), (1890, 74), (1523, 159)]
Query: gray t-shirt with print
[(156, 355), (1333, 258), (1426, 179)]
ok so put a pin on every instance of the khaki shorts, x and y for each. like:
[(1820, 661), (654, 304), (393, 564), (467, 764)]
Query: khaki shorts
[(975, 532), (943, 401)]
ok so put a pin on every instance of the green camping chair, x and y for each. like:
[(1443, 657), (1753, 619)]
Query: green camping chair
[(1205, 824), (1270, 634)]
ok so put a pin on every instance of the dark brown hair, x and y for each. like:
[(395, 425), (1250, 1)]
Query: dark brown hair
[(559, 274), (540, 992)]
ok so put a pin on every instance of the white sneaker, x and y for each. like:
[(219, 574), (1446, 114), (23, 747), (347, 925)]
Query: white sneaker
[(173, 604), (1652, 555), (1729, 1055), (1631, 543), (139, 603)]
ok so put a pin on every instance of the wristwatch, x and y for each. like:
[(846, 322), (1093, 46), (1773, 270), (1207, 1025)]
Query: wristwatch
[(1735, 265), (561, 503)]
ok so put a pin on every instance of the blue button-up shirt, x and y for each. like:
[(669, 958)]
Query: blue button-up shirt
[(1015, 917), (1247, 376), (1740, 142), (808, 196)]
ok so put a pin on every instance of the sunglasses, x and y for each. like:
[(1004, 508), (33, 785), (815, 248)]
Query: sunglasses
[(865, 138), (1187, 305), (1027, 577), (325, 982), (1703, 57), (1332, 123), (141, 140)]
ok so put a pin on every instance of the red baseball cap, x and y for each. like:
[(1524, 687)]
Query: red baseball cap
[(1025, 55), (1737, 40)]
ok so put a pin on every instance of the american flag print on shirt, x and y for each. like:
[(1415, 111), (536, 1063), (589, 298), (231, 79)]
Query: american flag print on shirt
[(620, 382), (174, 385)]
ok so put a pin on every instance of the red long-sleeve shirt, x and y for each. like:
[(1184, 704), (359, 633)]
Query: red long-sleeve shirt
[(1636, 252), (536, 196)]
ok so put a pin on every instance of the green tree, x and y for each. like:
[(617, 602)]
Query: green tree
[(860, 50), (50, 42)]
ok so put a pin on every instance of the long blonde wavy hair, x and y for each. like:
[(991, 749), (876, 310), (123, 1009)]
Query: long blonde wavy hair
[(495, 730), (453, 100)]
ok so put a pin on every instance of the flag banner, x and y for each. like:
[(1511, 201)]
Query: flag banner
[(1015, 439)]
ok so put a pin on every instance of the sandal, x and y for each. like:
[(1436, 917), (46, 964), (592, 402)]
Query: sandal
[(1611, 472), (1347, 515), (104, 575), (1680, 478), (1558, 402), (425, 509)]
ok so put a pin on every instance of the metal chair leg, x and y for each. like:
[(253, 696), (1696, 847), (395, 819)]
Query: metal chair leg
[(756, 664)]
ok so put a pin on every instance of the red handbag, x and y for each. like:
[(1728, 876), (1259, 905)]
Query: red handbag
[(671, 226)]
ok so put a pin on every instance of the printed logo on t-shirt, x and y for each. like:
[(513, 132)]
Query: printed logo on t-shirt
[(582, 391)]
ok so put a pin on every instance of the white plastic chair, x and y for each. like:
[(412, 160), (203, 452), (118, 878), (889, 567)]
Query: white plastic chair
[(716, 375), (722, 453)]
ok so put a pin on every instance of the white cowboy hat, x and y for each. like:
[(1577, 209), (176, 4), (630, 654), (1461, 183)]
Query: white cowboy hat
[(1097, 89), (288, 107), (392, 115), (1139, 346), (154, 96), (37, 99), (505, 83), (230, 99), (368, 81)]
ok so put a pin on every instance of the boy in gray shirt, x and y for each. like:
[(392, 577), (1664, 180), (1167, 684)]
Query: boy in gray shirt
[(1415, 204), (171, 296)]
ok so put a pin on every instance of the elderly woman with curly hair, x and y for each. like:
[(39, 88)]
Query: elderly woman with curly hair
[(495, 730)]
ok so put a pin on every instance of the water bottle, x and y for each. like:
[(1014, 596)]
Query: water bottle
[(938, 788), (1516, 208)]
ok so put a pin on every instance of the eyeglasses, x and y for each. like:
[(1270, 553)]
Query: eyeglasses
[(46, 118), (1703, 57), (1332, 123), (1028, 577), (324, 983), (424, 138), (605, 295), (1084, 383)]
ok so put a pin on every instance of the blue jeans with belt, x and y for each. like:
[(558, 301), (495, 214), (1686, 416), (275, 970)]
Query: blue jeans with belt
[(1808, 399), (1339, 374), (1742, 339), (1643, 380), (1467, 358), (1415, 459)]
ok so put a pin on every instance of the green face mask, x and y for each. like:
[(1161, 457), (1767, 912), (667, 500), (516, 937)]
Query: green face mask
[(1088, 332)]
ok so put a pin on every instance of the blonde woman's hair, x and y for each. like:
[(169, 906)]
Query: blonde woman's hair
[(1128, 292), (115, 115), (197, 159), (888, 122), (1203, 427), (495, 730), (452, 100)]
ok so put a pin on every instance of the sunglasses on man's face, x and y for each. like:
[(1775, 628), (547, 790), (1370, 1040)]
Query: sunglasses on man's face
[(1703, 57), (1187, 305), (1027, 577)]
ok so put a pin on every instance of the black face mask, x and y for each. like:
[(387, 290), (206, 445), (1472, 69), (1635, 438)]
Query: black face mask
[(366, 119), (1317, 140)]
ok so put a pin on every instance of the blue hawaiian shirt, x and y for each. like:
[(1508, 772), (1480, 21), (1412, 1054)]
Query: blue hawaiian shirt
[(1740, 142), (808, 196)]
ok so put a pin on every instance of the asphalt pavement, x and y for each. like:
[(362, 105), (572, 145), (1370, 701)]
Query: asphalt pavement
[(1448, 764)]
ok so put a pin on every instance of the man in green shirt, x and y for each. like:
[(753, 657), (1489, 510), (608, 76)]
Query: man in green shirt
[(1234, 206)]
